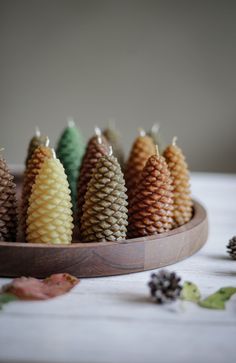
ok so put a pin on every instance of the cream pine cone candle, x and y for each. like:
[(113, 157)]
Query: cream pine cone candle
[(50, 207)]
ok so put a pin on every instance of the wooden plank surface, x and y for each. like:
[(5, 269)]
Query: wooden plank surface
[(112, 319)]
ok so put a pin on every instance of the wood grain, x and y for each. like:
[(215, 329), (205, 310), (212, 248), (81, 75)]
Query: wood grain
[(105, 258)]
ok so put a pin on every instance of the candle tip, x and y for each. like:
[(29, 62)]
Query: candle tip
[(175, 138), (99, 139), (110, 152), (2, 149), (157, 150), (70, 122), (37, 131), (155, 128), (54, 154), (141, 131), (47, 141), (97, 131)]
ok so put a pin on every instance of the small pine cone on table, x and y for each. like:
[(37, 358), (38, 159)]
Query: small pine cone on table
[(8, 208), (96, 148), (34, 165), (50, 209), (231, 247), (151, 208), (35, 142), (165, 286), (142, 149), (105, 208), (183, 205)]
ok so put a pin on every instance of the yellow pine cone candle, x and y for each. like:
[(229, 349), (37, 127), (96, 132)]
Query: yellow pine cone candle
[(32, 170), (50, 208)]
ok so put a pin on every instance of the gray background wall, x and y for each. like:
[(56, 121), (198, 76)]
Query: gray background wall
[(138, 61)]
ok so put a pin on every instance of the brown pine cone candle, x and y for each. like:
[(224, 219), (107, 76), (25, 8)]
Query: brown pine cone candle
[(8, 209), (183, 205), (142, 149), (113, 137), (40, 154), (105, 209), (36, 141), (96, 148), (151, 208)]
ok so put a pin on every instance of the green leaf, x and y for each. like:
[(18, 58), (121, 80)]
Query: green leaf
[(218, 299), (5, 298), (190, 292)]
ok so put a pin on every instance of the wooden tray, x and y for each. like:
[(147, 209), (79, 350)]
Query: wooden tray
[(106, 258)]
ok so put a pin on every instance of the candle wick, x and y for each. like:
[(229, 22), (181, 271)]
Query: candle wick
[(157, 150), (97, 131), (70, 122), (175, 138), (141, 131), (110, 152), (99, 139), (47, 141), (155, 128), (54, 154), (37, 131)]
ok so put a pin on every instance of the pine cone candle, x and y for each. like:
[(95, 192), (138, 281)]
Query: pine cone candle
[(183, 205), (70, 151), (142, 149), (165, 287), (32, 170), (113, 137), (104, 212), (157, 137), (8, 214), (50, 208), (151, 208), (96, 148), (231, 247), (35, 142)]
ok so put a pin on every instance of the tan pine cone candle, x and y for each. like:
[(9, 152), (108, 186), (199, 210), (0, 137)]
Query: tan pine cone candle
[(142, 149), (183, 205), (36, 141), (96, 148), (50, 208), (151, 208), (8, 209), (34, 164), (114, 138), (105, 209)]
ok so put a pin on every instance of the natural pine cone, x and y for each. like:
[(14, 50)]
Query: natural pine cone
[(8, 209), (231, 247), (35, 142), (151, 208), (34, 164), (113, 138), (142, 149), (96, 148), (165, 286), (183, 205), (104, 212), (50, 208)]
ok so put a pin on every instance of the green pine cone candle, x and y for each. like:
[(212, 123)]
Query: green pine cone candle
[(70, 151)]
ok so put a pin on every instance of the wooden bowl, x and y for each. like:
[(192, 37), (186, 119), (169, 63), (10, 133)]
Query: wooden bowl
[(106, 258)]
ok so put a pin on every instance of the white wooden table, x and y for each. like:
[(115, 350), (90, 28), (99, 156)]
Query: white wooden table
[(112, 319)]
